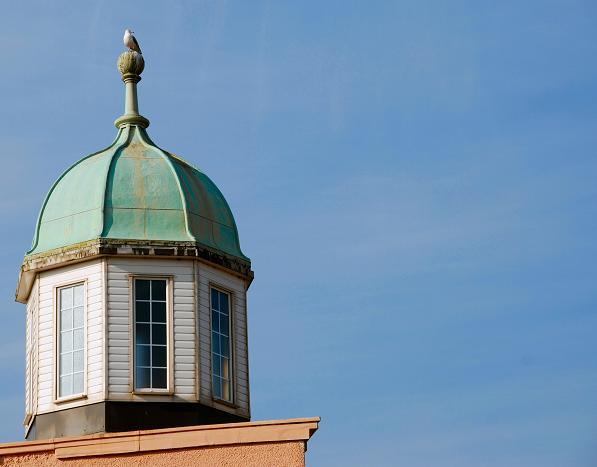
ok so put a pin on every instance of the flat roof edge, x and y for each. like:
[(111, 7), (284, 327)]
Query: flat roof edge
[(297, 429)]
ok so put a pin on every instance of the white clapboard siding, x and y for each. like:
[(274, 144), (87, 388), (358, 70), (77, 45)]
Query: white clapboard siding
[(207, 276), (31, 351), (91, 272), (120, 366)]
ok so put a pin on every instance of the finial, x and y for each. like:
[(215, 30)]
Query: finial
[(131, 65)]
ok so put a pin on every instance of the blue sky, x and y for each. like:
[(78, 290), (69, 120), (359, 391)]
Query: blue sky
[(414, 182)]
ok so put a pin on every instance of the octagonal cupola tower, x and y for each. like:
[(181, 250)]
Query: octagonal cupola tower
[(135, 287)]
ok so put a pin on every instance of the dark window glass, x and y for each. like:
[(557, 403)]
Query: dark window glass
[(158, 356), (142, 355), (158, 378), (142, 377), (158, 334), (142, 289), (158, 290), (142, 333), (158, 312), (142, 311)]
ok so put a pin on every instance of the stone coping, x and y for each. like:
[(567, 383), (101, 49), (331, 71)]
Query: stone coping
[(296, 429)]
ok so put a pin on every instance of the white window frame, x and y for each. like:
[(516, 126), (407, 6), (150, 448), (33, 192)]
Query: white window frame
[(169, 390), (57, 288), (231, 301)]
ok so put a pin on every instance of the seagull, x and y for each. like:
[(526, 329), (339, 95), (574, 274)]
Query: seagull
[(130, 41)]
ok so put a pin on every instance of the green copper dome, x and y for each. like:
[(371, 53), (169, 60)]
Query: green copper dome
[(134, 190)]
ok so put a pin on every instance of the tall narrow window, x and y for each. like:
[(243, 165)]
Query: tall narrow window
[(71, 341), (220, 345), (151, 355)]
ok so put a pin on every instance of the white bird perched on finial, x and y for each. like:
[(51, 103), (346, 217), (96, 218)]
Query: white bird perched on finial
[(130, 41)]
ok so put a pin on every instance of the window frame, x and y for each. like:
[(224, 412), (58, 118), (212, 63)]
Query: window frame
[(231, 337), (56, 364), (169, 390)]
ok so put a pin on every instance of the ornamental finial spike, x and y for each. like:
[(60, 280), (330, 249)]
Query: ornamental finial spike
[(131, 65)]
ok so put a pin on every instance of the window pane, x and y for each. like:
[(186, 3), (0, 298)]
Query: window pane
[(66, 298), (215, 342), (142, 355), (215, 304), (158, 290), (142, 378), (158, 378), (66, 341), (224, 320), (215, 365), (66, 385), (78, 385), (158, 334), (142, 289), (66, 363), (224, 346), (158, 356), (226, 390), (78, 317), (225, 368), (142, 333), (78, 339), (223, 302), (215, 321), (78, 295), (78, 360), (158, 312), (66, 319), (142, 310), (217, 386)]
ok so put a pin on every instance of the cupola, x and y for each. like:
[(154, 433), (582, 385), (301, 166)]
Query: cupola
[(135, 286)]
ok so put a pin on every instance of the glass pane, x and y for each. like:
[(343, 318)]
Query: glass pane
[(158, 356), (217, 386), (226, 390), (215, 321), (66, 319), (215, 304), (66, 385), (158, 290), (158, 378), (66, 298), (158, 312), (142, 378), (78, 317), (66, 341), (215, 365), (215, 342), (142, 289), (66, 363), (78, 339), (142, 355), (78, 295), (158, 334), (78, 385), (224, 303), (224, 346), (224, 320), (142, 334), (78, 360), (142, 310), (225, 368)]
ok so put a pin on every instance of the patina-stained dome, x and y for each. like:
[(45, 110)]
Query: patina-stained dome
[(133, 190)]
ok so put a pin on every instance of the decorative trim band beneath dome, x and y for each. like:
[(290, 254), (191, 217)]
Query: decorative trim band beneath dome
[(32, 264)]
